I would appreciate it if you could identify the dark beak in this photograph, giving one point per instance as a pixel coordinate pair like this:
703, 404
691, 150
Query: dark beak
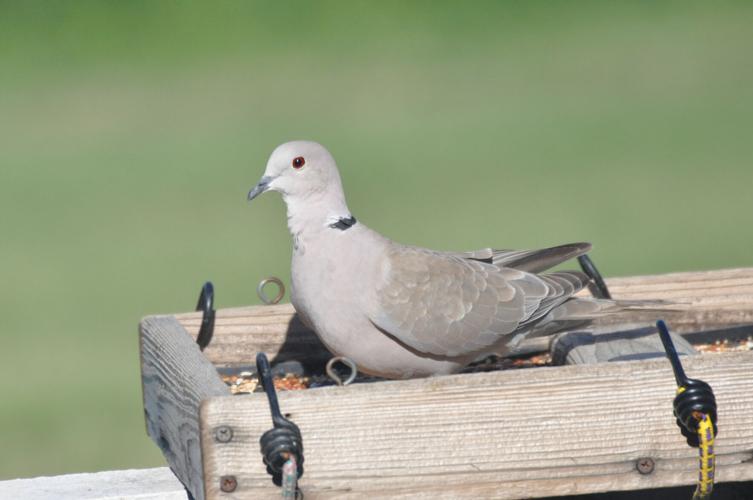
259, 188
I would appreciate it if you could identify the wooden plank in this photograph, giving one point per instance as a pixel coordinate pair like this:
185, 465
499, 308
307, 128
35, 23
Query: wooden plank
709, 299
241, 332
135, 484
176, 377
510, 434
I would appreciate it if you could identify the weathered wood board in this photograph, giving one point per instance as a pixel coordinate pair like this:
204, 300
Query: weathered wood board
509, 434
705, 300
176, 378
134, 484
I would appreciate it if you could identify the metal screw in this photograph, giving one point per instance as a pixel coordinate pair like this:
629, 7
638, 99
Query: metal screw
223, 434
645, 465
228, 483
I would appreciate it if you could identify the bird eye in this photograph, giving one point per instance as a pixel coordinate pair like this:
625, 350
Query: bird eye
298, 162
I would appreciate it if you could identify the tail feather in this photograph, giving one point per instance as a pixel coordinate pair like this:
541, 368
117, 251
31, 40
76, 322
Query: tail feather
579, 312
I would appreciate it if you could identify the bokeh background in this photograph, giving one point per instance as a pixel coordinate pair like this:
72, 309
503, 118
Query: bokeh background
130, 133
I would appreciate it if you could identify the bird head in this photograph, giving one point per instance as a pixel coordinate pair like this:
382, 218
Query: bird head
299, 170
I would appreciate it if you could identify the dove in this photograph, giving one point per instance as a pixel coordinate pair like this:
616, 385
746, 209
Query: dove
401, 311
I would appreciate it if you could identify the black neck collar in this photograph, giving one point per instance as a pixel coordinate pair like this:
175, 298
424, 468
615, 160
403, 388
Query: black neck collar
343, 223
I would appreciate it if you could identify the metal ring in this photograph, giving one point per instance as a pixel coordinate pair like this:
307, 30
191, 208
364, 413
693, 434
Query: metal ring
347, 362
280, 290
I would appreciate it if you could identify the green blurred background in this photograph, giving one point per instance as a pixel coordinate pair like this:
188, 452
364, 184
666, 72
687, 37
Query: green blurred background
130, 133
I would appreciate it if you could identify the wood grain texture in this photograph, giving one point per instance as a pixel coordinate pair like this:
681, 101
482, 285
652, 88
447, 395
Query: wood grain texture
510, 434
176, 377
708, 299
241, 332
134, 484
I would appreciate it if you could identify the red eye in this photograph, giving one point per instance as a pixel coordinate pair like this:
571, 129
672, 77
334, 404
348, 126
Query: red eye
298, 162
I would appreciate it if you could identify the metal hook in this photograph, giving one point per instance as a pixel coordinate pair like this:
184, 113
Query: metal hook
284, 441
280, 290
599, 290
206, 306
693, 397
674, 359
267, 383
347, 362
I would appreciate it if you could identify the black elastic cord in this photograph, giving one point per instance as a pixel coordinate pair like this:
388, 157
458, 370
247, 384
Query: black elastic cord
284, 440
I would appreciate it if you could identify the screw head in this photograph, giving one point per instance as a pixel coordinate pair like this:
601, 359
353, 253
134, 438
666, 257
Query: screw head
228, 483
223, 433
645, 465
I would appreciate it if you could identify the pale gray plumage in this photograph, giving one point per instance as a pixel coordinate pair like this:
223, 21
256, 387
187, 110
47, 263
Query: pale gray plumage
446, 305
400, 311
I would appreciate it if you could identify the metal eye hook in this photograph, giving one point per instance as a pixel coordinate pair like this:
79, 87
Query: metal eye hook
263, 296
206, 306
347, 362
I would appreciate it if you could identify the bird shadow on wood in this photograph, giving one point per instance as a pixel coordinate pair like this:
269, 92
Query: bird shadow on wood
303, 345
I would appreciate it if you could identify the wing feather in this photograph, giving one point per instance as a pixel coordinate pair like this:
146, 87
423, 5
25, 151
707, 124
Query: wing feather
532, 261
449, 305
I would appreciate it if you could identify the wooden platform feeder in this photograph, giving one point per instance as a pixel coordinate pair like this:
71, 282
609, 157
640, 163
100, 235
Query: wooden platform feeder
507, 434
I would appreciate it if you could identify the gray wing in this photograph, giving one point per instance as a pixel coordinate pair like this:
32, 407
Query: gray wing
448, 305
532, 261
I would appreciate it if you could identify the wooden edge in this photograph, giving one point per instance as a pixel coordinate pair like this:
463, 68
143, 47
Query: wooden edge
705, 300
133, 484
176, 377
507, 434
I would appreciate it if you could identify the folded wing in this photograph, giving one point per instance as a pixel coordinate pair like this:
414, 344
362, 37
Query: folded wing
532, 261
450, 305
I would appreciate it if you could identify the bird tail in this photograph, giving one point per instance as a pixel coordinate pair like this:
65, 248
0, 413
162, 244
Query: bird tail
591, 308
579, 312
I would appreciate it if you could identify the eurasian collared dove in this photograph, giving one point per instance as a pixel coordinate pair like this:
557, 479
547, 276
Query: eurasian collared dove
401, 311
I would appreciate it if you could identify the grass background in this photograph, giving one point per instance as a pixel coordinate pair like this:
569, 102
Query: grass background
130, 133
